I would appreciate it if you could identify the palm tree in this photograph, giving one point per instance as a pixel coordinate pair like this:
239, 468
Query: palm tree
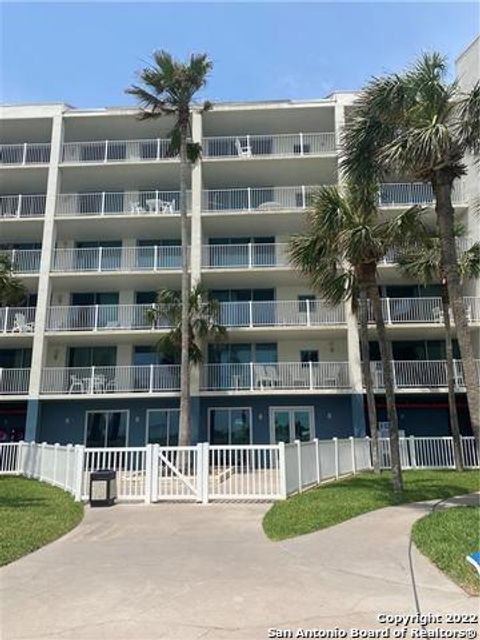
167, 89
12, 290
418, 124
202, 315
339, 253
423, 262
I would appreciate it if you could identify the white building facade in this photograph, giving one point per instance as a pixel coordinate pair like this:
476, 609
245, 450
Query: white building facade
89, 216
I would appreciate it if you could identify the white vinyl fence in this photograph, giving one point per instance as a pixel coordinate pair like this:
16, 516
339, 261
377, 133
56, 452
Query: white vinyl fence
205, 472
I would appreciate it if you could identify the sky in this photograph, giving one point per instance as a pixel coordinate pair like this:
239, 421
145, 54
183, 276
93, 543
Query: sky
86, 54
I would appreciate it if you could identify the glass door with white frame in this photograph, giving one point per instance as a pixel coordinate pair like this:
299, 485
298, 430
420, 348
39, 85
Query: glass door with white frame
230, 425
288, 424
106, 429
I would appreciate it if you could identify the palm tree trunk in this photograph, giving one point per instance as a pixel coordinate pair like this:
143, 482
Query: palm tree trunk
452, 403
367, 377
185, 433
442, 186
387, 364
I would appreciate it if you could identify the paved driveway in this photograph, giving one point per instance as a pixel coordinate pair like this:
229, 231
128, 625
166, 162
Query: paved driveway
192, 571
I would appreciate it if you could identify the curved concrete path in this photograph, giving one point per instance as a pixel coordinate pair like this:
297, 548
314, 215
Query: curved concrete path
208, 572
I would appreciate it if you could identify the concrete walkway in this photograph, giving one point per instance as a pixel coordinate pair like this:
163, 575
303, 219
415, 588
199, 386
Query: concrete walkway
208, 572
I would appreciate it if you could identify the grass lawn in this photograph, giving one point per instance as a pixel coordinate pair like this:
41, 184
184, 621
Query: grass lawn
335, 502
32, 514
446, 537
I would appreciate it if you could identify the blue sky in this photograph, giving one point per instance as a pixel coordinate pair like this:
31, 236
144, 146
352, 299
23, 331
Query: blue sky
86, 54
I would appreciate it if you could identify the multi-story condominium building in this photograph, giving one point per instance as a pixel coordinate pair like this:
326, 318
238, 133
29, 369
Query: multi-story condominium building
89, 216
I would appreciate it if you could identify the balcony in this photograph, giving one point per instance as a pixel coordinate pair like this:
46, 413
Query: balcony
24, 261
399, 194
110, 380
106, 151
123, 203
422, 310
24, 154
258, 200
278, 376
14, 382
244, 256
122, 317
414, 374
117, 259
280, 313
269, 146
17, 320
22, 206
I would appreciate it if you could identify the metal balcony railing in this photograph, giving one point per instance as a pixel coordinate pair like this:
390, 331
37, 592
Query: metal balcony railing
14, 381
253, 376
110, 380
24, 154
104, 151
244, 256
422, 310
420, 374
131, 203
395, 194
107, 259
122, 317
17, 319
244, 200
280, 313
275, 145
23, 260
22, 206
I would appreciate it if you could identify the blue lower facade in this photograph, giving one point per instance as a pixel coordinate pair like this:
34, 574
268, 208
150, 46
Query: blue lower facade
65, 421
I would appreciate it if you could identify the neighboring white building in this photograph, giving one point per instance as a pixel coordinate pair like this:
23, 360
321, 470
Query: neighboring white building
89, 215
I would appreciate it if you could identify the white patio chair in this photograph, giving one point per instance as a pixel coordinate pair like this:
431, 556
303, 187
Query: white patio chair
438, 316
76, 383
20, 324
244, 151
266, 376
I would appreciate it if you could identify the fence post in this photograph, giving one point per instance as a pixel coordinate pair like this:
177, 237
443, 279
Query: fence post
154, 474
299, 465
413, 457
67, 467
369, 444
202, 472
148, 473
317, 460
78, 464
42, 458
55, 456
282, 470
352, 450
335, 444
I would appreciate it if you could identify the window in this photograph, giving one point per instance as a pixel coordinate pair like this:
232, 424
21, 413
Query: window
162, 427
228, 425
106, 428
92, 356
309, 355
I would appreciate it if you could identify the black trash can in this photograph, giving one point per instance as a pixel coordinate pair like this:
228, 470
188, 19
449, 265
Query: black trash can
103, 488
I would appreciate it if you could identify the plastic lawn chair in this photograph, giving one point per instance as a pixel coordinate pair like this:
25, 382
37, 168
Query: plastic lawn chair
474, 559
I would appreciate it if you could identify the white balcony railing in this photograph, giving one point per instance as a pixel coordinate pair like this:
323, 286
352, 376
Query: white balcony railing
420, 374
395, 194
108, 259
23, 260
244, 256
110, 380
17, 319
283, 145
24, 154
122, 317
104, 151
22, 206
14, 381
243, 200
108, 203
280, 313
280, 375
422, 310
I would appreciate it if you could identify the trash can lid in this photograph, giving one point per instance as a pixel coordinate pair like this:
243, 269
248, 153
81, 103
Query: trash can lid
103, 474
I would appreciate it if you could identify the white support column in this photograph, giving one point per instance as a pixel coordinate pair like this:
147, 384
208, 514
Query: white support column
48, 243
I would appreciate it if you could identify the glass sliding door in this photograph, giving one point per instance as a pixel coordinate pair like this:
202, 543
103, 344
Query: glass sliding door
106, 428
288, 424
162, 427
228, 425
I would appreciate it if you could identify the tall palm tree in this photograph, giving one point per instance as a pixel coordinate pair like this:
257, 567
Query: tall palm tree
202, 314
424, 263
12, 290
167, 88
418, 124
339, 253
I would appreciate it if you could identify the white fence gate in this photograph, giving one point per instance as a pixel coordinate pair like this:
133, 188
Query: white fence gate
220, 472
